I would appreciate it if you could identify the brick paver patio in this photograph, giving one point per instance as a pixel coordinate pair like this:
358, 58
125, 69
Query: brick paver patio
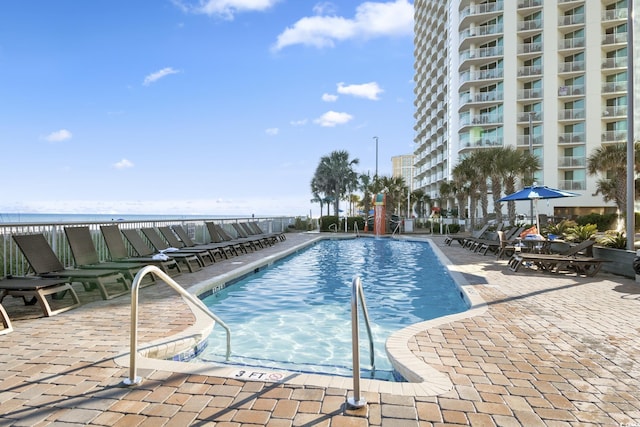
549, 350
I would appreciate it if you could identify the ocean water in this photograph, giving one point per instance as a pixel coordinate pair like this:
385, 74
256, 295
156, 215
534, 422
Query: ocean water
49, 218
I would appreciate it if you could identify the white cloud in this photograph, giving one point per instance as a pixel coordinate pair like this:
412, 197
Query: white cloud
123, 164
272, 131
301, 122
328, 97
225, 9
371, 20
333, 118
58, 136
154, 77
367, 90
325, 8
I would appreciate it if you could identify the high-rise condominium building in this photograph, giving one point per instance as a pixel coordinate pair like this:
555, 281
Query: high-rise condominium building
548, 76
402, 166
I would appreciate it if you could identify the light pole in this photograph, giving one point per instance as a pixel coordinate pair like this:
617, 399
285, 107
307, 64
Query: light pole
631, 190
531, 152
376, 175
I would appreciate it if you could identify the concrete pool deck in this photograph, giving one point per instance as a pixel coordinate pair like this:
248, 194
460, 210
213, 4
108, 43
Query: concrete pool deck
554, 350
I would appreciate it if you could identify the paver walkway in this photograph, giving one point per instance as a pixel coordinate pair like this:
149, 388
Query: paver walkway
554, 350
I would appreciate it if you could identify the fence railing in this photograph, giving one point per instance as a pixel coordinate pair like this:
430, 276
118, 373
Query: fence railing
12, 262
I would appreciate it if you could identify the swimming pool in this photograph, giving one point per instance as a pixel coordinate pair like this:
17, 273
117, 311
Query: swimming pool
295, 315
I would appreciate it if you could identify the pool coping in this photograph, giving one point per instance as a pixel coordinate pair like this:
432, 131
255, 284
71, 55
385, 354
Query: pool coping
423, 380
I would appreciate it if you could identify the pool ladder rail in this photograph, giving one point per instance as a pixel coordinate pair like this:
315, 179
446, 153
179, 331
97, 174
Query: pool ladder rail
133, 352
357, 401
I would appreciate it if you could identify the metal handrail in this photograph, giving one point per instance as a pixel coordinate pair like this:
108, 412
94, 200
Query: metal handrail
358, 401
396, 229
355, 228
133, 379
333, 227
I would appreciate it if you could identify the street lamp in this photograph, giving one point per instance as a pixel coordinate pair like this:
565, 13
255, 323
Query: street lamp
376, 175
631, 190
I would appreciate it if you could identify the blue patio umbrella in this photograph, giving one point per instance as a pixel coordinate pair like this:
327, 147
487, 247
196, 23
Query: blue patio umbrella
535, 193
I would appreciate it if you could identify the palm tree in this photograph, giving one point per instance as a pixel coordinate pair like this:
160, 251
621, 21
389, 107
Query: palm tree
516, 165
466, 176
335, 177
446, 190
611, 161
365, 187
417, 200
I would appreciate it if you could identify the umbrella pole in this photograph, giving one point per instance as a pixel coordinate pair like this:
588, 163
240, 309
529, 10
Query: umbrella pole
535, 203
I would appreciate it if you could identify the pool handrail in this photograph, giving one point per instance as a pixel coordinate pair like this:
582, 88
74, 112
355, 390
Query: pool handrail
358, 401
355, 228
133, 351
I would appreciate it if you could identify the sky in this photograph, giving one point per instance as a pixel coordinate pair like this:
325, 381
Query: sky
212, 107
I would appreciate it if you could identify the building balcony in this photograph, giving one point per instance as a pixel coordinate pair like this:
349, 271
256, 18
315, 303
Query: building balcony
523, 140
530, 71
616, 111
481, 33
528, 48
614, 136
525, 4
527, 94
530, 25
619, 14
572, 161
572, 43
565, 20
571, 138
571, 114
573, 90
524, 116
612, 63
484, 11
480, 143
484, 76
571, 67
571, 185
618, 38
614, 87
483, 52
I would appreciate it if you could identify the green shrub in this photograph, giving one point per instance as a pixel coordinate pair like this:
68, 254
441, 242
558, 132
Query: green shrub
454, 228
603, 222
559, 229
580, 233
613, 239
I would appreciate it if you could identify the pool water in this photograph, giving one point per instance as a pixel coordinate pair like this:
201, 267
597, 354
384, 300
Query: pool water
296, 314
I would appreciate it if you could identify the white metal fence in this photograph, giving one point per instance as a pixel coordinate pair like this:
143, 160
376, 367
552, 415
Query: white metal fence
13, 262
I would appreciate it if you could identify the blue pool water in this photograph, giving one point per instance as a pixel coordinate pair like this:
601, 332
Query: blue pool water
296, 314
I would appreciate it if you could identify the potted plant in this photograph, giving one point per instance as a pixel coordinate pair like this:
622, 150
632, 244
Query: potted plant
612, 247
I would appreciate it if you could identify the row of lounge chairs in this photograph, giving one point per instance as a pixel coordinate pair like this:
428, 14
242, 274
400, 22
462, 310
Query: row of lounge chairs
576, 258
169, 248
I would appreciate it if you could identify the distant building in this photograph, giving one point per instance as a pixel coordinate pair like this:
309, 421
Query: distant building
548, 73
402, 166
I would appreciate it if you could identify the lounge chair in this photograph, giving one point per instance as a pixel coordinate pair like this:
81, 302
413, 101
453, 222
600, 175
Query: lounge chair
85, 255
174, 241
118, 252
222, 249
258, 231
37, 290
256, 240
6, 322
467, 240
218, 235
507, 246
45, 263
160, 244
269, 240
190, 261
569, 260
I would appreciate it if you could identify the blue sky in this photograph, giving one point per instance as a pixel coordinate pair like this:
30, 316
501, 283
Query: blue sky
219, 107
